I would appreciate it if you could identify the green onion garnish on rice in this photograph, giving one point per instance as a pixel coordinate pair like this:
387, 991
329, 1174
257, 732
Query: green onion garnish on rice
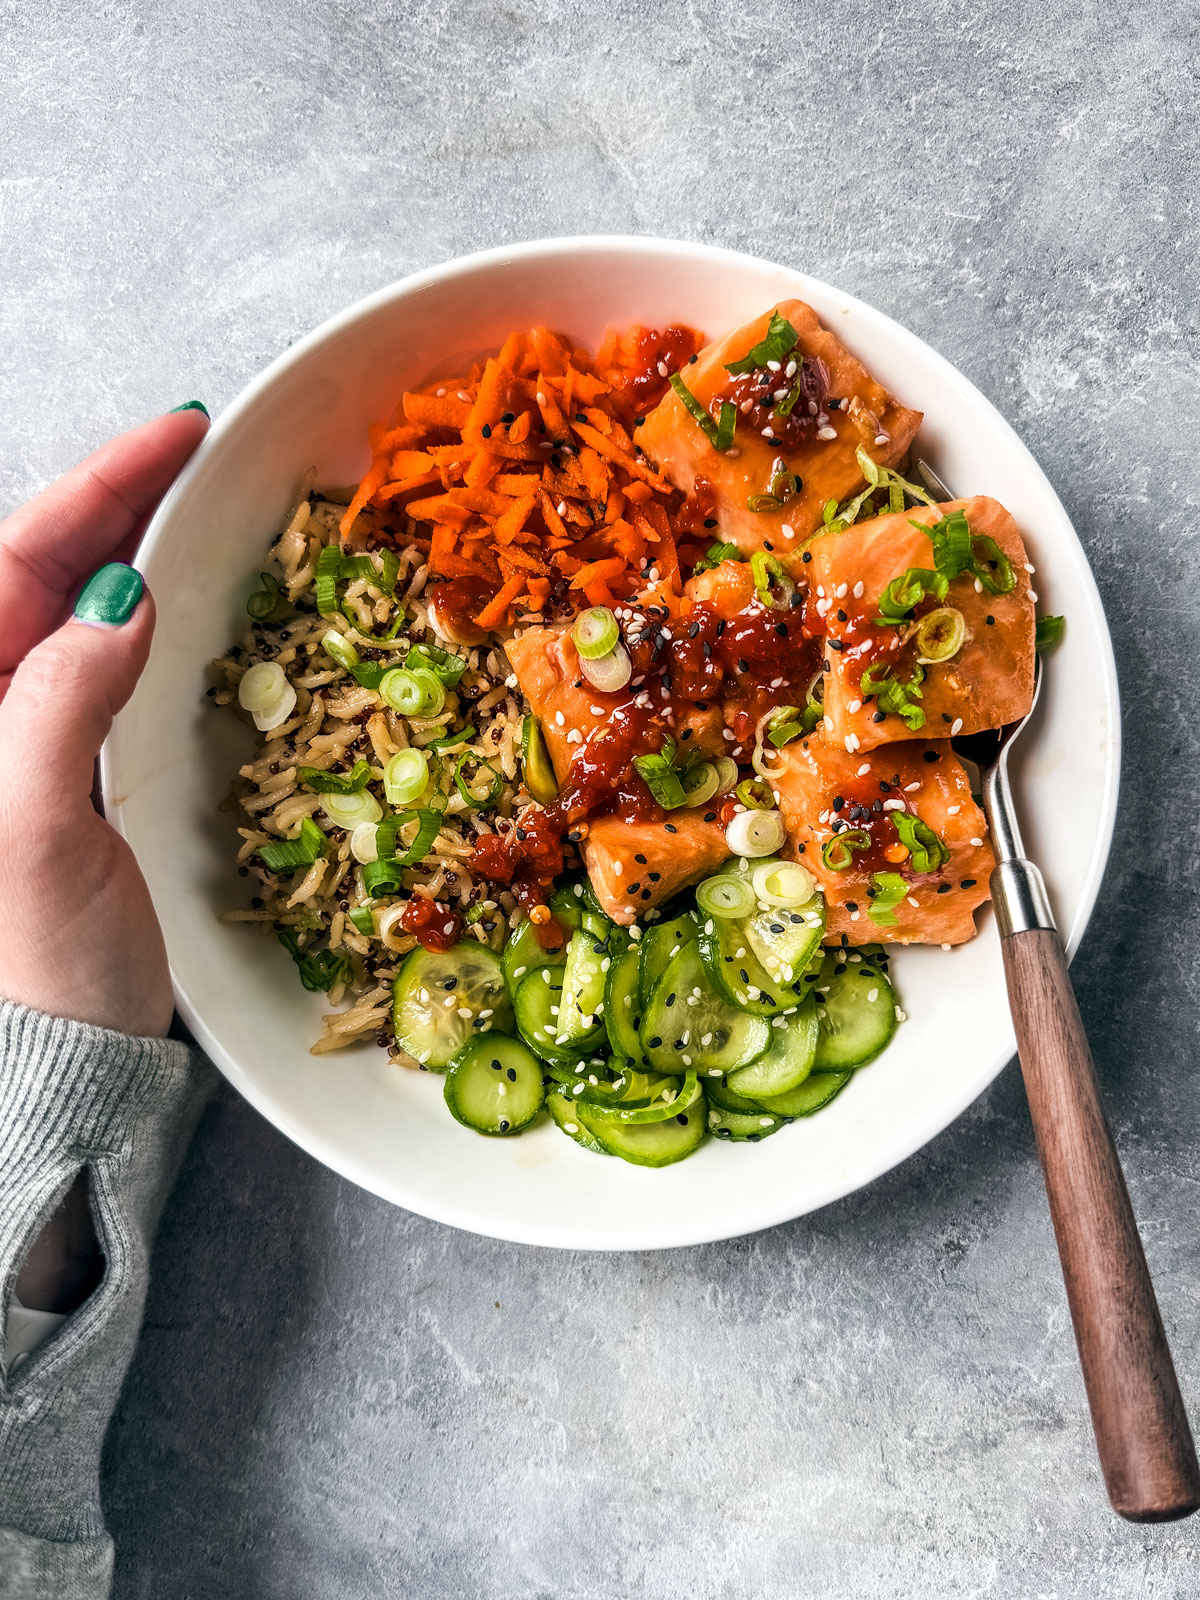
322, 782
286, 855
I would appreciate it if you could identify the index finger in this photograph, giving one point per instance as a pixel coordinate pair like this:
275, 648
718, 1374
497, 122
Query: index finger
51, 544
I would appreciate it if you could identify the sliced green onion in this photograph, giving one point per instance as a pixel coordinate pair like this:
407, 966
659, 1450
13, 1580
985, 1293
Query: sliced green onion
381, 878
991, 566
755, 833
756, 794
349, 811
838, 853
537, 771
951, 539
880, 683
701, 783
412, 694
362, 918
339, 649
763, 502
663, 782
727, 774
386, 581
782, 883
609, 673
715, 554
907, 591
475, 913
262, 686
887, 889
725, 896
352, 567
788, 404
782, 487
319, 969
287, 854
452, 739
363, 846
720, 434
772, 583
927, 851
494, 790
778, 343
262, 603
726, 427
444, 664
322, 782
785, 725
329, 566
1049, 632
405, 777
941, 634
376, 638
370, 674
595, 632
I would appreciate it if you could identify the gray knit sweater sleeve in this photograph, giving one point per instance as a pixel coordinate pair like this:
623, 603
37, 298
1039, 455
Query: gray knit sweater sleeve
73, 1096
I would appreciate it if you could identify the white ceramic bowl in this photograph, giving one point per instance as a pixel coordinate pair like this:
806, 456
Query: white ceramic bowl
169, 761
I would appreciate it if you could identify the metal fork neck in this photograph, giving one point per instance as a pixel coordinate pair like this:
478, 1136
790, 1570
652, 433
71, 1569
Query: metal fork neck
1018, 891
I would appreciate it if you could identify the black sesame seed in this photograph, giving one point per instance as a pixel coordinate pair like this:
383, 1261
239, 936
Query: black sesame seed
495, 1065
450, 983
841, 615
504, 1125
710, 816
641, 860
654, 876
670, 827
670, 999
655, 1042
838, 802
967, 883
486, 430
807, 556
512, 1074
851, 905
645, 894
681, 1117
943, 888
880, 716
781, 629
710, 522
932, 755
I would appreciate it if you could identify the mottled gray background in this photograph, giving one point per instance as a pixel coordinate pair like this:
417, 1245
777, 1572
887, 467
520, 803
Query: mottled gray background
334, 1399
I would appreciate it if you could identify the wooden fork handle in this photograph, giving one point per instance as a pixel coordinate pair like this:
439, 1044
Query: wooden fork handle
1142, 1435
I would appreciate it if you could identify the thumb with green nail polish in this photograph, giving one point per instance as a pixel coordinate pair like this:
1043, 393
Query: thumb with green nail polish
110, 597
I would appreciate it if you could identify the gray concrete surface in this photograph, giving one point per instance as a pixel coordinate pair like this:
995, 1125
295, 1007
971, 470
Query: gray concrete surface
334, 1399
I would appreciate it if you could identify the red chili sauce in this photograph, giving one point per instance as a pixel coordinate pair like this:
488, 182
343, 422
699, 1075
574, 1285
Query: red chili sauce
671, 347
757, 392
435, 925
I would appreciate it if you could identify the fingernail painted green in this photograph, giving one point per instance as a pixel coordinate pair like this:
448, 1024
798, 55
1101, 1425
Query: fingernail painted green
191, 405
110, 596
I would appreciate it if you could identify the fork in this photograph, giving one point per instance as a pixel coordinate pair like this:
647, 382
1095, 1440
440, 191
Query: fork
1142, 1435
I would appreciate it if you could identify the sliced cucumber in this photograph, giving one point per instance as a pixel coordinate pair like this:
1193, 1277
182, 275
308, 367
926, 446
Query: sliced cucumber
788, 1059
736, 973
494, 1084
687, 1025
523, 954
659, 943
856, 1010
537, 1008
566, 1116
672, 1098
786, 941
580, 909
622, 1005
719, 1092
817, 1090
581, 1004
440, 999
744, 1126
628, 1089
649, 1144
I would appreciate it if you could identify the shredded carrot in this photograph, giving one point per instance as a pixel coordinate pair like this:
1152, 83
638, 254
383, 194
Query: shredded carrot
525, 478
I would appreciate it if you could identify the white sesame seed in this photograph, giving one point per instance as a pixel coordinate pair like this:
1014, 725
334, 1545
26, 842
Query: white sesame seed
574, 736
570, 1127
978, 587
893, 805
541, 398
947, 947
790, 370
788, 531
662, 369
842, 590
882, 438
855, 705
955, 726
501, 1089
975, 842
562, 508
559, 720
465, 1011
911, 788
768, 433
774, 366
863, 770
858, 590
913, 901
872, 994
826, 433
828, 724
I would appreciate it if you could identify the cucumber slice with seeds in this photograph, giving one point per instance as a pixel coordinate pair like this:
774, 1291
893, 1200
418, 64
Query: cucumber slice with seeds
581, 1005
494, 1085
687, 1025
719, 1092
744, 1127
622, 1005
785, 941
651, 1144
441, 998
524, 954
537, 1008
659, 943
788, 1059
856, 1012
566, 1116
817, 1090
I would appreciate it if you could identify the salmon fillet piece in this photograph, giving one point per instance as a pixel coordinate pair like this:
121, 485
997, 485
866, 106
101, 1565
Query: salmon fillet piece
819, 782
827, 468
988, 683
675, 851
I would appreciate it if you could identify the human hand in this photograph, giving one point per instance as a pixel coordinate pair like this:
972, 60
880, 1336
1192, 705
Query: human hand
78, 936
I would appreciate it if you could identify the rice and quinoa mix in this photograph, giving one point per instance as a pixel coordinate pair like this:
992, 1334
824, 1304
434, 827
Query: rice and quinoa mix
336, 722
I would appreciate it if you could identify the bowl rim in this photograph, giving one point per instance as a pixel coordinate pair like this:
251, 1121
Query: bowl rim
229, 419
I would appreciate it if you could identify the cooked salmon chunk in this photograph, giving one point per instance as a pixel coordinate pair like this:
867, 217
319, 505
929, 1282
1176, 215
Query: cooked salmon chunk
815, 441
825, 792
987, 682
633, 865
